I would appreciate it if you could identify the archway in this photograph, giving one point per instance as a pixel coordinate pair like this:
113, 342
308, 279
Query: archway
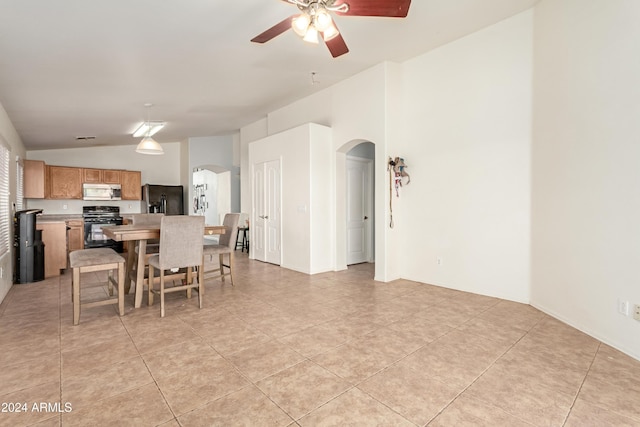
210, 193
360, 186
341, 207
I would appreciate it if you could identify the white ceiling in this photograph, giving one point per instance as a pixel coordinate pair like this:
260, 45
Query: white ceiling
73, 68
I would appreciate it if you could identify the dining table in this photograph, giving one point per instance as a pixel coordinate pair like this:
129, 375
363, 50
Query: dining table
137, 235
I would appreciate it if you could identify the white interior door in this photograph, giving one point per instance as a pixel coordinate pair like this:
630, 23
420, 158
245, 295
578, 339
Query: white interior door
266, 213
272, 209
359, 210
257, 224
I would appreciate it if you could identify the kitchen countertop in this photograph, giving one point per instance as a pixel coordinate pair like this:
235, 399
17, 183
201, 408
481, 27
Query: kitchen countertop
57, 218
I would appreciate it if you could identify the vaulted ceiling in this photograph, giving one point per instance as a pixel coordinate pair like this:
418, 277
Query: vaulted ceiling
71, 68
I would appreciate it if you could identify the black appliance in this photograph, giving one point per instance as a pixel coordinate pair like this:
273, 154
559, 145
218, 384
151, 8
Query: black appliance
96, 217
28, 247
166, 199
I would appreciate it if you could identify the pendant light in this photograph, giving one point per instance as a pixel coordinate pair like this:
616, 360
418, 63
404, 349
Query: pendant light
149, 145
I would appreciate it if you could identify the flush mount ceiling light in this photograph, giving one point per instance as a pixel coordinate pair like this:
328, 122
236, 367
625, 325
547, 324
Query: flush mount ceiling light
148, 128
148, 145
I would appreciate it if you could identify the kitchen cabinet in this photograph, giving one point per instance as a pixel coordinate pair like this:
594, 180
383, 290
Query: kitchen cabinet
111, 176
75, 235
54, 237
34, 179
42, 181
93, 176
100, 176
65, 182
131, 182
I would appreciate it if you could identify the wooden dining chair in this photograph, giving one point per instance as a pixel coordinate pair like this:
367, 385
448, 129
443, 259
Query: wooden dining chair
179, 257
226, 246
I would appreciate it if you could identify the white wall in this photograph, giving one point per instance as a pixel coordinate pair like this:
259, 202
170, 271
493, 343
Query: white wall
586, 179
9, 136
466, 142
355, 110
305, 155
322, 201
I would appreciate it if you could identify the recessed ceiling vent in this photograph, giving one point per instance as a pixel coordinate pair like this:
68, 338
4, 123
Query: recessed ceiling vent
85, 138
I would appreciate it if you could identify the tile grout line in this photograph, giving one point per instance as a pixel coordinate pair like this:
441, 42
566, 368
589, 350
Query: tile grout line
164, 398
575, 399
485, 371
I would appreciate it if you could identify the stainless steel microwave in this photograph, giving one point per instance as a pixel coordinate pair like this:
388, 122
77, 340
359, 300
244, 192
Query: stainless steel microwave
101, 191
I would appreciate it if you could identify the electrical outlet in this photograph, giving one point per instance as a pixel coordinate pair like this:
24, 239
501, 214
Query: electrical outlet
65, 207
623, 307
439, 260
636, 312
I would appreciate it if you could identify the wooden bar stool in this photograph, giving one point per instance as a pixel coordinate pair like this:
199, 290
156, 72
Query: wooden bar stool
98, 259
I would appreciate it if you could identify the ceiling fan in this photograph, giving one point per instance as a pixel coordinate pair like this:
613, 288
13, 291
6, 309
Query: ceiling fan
315, 19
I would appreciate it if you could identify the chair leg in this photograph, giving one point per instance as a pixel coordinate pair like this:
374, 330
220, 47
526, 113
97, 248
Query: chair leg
121, 270
231, 266
200, 284
76, 296
221, 259
161, 293
150, 287
110, 283
189, 281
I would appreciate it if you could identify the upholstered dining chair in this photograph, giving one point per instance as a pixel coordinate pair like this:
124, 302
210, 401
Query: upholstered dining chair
148, 219
226, 246
181, 239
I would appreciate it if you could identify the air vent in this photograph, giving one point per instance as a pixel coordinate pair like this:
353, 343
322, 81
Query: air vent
85, 138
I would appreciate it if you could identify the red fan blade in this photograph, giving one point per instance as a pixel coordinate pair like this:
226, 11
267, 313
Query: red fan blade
337, 45
274, 31
390, 8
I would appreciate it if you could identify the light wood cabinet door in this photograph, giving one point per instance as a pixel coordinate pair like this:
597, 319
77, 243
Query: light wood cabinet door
34, 179
131, 185
101, 176
75, 235
111, 176
65, 182
54, 238
93, 176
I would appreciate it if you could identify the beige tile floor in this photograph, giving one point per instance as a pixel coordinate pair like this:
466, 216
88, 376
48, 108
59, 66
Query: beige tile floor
283, 348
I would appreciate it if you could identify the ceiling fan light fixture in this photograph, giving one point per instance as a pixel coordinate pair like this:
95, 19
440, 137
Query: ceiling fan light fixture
322, 20
330, 33
149, 145
301, 24
311, 36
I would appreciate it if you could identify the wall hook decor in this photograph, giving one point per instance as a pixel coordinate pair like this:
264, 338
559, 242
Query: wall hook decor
397, 171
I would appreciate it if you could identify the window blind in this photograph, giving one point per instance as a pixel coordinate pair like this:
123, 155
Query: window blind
19, 184
4, 199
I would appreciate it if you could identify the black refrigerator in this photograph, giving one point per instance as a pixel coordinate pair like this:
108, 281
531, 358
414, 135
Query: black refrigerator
166, 199
28, 247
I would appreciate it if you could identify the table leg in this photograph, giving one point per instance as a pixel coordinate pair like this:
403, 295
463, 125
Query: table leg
131, 246
142, 250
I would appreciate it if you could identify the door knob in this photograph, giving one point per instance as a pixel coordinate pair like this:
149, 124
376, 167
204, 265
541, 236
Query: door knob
366, 217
